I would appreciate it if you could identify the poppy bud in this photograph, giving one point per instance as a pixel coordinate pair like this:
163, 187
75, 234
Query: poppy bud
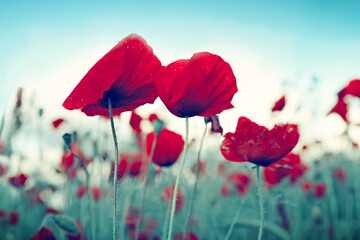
41, 111
158, 125
67, 139
66, 223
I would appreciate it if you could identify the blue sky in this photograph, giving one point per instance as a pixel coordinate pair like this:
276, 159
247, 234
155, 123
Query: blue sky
47, 46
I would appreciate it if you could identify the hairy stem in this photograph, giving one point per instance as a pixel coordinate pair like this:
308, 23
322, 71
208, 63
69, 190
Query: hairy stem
234, 220
195, 184
173, 205
115, 167
143, 192
87, 191
261, 202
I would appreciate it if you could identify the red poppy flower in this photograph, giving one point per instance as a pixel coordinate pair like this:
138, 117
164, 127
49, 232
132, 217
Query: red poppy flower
123, 75
143, 235
340, 108
96, 193
13, 218
131, 221
169, 146
78, 236
290, 165
122, 167
81, 191
279, 104
152, 225
257, 144
2, 213
201, 86
340, 174
352, 89
189, 236
306, 186
44, 234
202, 167
167, 195
221, 169
53, 211
224, 189
241, 181
18, 180
135, 121
56, 123
3, 170
320, 190
135, 168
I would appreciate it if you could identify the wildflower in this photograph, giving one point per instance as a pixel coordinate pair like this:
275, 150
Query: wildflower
44, 233
279, 104
18, 180
289, 166
123, 75
168, 148
201, 86
341, 108
253, 143
56, 123
167, 195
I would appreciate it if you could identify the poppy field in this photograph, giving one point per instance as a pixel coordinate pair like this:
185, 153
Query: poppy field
254, 182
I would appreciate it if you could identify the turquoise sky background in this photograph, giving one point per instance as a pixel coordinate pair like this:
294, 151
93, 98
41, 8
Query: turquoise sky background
48, 46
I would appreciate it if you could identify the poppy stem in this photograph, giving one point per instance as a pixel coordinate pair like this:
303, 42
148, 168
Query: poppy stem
116, 166
88, 189
166, 223
195, 184
173, 205
143, 193
234, 220
261, 202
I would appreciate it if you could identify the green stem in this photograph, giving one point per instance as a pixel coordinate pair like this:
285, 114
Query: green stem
234, 220
143, 193
261, 202
195, 184
173, 205
165, 226
88, 190
115, 167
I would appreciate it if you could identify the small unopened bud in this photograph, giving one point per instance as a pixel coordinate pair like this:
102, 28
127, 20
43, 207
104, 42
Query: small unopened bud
41, 112
66, 223
207, 120
67, 138
158, 125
